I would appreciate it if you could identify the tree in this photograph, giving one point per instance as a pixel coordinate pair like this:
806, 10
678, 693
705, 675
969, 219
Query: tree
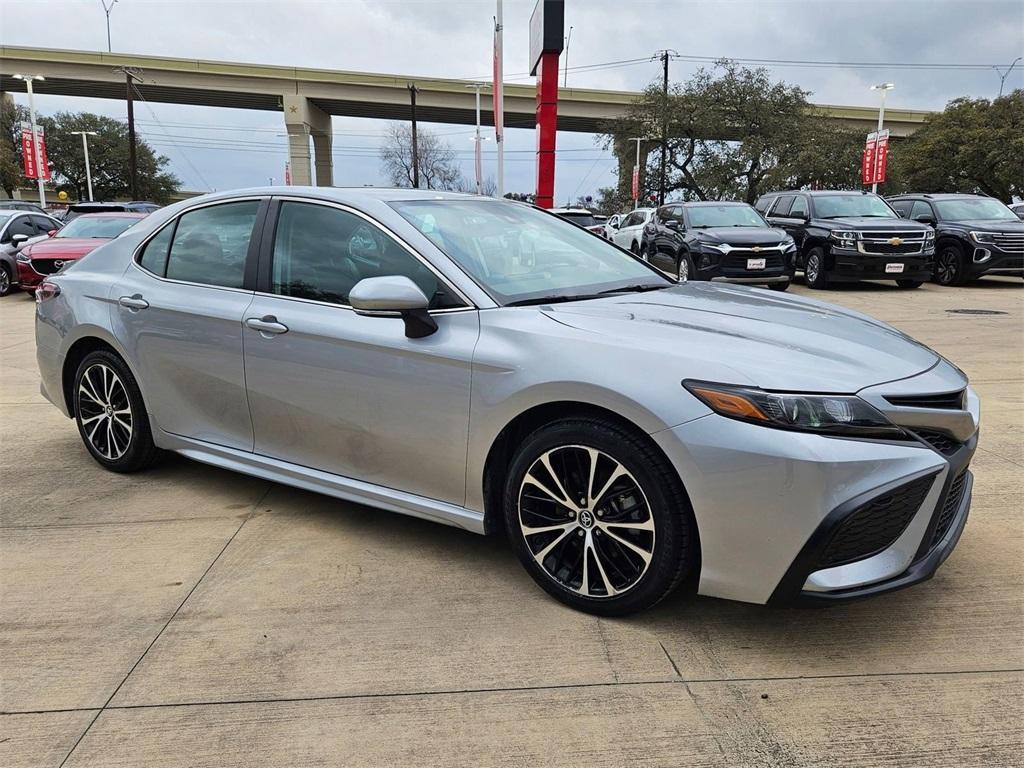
436, 161
11, 171
108, 159
733, 133
974, 145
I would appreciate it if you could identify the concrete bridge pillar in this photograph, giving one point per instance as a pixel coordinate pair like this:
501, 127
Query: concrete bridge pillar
302, 120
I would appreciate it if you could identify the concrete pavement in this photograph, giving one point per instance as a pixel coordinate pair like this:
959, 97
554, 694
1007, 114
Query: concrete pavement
192, 617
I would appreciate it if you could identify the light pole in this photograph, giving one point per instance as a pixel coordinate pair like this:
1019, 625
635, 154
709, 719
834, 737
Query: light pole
36, 149
568, 39
636, 170
478, 147
85, 151
884, 88
107, 8
1003, 75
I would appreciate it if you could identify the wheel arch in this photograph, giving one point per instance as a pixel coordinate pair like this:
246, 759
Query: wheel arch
82, 346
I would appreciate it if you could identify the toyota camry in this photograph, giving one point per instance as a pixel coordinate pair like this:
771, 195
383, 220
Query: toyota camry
485, 364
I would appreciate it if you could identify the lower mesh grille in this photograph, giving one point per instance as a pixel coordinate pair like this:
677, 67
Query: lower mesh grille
940, 441
950, 506
875, 525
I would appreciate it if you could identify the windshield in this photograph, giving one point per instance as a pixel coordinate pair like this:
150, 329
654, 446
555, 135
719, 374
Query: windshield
583, 219
702, 216
972, 208
105, 227
837, 206
518, 253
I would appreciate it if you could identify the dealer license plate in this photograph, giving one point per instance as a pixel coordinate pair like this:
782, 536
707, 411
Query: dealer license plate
755, 263
894, 268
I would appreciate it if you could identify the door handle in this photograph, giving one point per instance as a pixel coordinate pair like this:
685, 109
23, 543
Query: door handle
133, 303
266, 325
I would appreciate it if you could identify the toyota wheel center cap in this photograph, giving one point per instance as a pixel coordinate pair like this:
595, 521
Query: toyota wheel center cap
587, 518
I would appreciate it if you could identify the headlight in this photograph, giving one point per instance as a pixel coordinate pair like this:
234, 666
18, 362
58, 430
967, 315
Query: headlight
843, 415
788, 244
23, 257
845, 238
983, 237
716, 246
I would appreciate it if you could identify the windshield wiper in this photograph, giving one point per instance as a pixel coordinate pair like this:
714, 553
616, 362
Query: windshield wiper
551, 299
639, 288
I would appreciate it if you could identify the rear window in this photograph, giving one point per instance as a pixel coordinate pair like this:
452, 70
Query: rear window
583, 219
210, 244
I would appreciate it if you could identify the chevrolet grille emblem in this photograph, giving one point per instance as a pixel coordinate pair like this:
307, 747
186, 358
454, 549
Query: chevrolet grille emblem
895, 241
756, 249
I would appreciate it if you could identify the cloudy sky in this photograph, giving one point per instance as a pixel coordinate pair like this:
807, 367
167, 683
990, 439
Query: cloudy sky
223, 148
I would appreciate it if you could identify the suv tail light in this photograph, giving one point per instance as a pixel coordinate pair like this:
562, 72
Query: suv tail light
46, 290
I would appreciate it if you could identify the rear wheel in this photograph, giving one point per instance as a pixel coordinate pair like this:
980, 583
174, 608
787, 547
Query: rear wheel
6, 281
684, 268
111, 414
634, 248
908, 285
949, 265
814, 269
598, 518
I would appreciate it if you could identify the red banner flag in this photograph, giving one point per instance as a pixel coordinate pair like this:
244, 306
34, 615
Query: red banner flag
867, 167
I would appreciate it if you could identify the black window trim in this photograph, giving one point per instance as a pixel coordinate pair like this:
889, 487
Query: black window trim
248, 274
264, 272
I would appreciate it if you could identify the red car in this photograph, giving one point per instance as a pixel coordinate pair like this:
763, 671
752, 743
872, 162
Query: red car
83, 235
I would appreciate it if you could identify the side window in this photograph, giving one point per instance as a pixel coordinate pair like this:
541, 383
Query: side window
781, 208
799, 207
321, 252
210, 244
154, 255
762, 204
21, 226
920, 210
42, 224
902, 207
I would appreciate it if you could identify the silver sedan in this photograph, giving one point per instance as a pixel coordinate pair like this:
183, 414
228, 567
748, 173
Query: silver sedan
484, 364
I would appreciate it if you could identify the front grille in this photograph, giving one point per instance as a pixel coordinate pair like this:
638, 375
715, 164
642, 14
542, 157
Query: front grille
953, 401
950, 506
884, 236
874, 526
738, 260
1010, 241
942, 442
48, 266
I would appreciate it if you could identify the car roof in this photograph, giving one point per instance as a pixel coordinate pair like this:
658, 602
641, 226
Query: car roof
113, 215
940, 196
571, 210
709, 203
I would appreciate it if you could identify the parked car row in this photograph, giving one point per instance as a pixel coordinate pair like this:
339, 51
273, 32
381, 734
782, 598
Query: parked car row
830, 236
35, 244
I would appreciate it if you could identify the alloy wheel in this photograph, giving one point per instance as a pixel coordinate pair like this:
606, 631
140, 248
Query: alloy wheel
599, 547
948, 266
812, 267
105, 411
683, 270
5, 281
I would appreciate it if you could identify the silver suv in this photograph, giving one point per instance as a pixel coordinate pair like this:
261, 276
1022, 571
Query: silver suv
484, 364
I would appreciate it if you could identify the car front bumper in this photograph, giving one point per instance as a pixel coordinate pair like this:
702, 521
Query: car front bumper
988, 259
732, 267
851, 265
767, 503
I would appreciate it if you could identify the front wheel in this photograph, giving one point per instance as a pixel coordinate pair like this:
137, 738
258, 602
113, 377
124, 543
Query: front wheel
909, 285
598, 517
6, 282
949, 265
684, 268
814, 269
111, 414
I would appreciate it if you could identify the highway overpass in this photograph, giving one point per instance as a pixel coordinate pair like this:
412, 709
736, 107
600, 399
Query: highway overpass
308, 98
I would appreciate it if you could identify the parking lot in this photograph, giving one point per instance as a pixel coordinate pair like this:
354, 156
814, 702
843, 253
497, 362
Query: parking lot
189, 616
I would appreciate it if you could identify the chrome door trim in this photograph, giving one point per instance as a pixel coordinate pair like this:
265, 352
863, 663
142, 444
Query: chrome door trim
388, 231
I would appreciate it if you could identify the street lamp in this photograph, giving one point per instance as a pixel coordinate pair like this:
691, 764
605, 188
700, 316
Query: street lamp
884, 88
36, 149
477, 138
85, 150
568, 40
636, 170
107, 8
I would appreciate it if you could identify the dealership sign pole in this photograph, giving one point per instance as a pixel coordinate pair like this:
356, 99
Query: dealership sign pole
498, 93
546, 39
41, 170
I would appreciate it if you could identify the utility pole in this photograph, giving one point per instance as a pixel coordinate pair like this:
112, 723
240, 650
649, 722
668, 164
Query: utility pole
664, 55
36, 148
415, 148
85, 151
884, 88
1003, 75
107, 8
131, 75
568, 39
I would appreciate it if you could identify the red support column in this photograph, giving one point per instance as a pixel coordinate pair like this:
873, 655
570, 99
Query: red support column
547, 127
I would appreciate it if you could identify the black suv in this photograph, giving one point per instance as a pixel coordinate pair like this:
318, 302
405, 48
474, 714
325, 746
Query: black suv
845, 236
975, 235
718, 241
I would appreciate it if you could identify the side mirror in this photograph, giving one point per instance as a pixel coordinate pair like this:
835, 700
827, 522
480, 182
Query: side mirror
386, 296
925, 219
51, 233
19, 240
671, 224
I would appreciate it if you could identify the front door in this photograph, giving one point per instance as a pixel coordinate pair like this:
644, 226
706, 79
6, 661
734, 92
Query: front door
179, 312
349, 394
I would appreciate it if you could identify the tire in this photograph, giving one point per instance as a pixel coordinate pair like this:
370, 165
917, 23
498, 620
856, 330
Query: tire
6, 280
949, 265
111, 415
909, 285
634, 248
814, 269
779, 286
627, 569
684, 267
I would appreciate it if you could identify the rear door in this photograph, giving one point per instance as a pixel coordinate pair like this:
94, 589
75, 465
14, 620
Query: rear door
347, 393
179, 308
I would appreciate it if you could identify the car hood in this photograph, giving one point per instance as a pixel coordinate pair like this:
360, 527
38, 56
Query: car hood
64, 247
992, 225
762, 338
741, 235
873, 223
